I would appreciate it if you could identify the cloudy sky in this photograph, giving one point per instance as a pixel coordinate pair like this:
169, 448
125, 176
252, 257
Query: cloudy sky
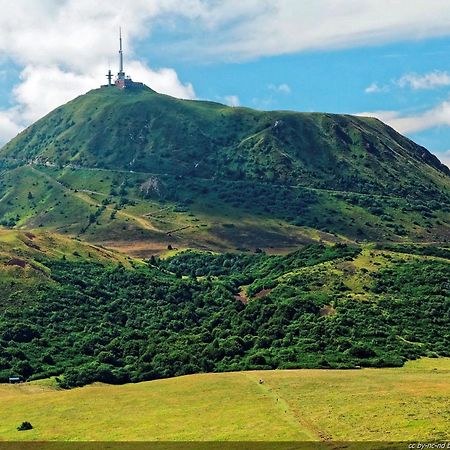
387, 58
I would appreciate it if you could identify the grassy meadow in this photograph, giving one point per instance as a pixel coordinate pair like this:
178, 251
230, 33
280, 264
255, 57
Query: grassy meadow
408, 403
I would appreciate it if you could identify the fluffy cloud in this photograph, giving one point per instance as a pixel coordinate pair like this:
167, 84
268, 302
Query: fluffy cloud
164, 80
413, 123
373, 87
44, 88
78, 33
376, 88
243, 30
231, 100
430, 80
282, 88
9, 125
414, 81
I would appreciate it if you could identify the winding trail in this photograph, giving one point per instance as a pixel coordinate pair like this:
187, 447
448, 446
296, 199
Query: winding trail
83, 195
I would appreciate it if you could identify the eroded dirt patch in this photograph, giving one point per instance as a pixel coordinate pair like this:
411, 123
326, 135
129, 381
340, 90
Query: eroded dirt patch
17, 262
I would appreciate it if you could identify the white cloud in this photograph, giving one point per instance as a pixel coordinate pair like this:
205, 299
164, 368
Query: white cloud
376, 88
163, 80
413, 123
414, 81
372, 88
78, 33
429, 80
238, 29
9, 126
231, 100
44, 88
282, 88
444, 157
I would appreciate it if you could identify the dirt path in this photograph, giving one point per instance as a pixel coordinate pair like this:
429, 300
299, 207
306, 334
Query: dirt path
307, 426
83, 195
274, 185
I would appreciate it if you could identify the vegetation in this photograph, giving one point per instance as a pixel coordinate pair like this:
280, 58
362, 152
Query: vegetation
24, 426
178, 172
161, 134
319, 307
330, 239
411, 404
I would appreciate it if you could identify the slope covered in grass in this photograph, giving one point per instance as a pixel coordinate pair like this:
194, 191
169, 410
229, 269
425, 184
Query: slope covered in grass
141, 130
22, 262
405, 404
135, 167
114, 208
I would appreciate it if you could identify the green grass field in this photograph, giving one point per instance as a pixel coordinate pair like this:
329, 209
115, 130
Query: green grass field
409, 403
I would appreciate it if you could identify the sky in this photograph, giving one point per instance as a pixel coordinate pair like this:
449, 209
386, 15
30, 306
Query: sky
384, 58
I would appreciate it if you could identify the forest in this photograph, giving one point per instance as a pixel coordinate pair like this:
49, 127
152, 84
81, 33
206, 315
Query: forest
204, 312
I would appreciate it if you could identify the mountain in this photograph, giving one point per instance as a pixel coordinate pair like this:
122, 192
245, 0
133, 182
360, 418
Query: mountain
328, 235
141, 130
140, 171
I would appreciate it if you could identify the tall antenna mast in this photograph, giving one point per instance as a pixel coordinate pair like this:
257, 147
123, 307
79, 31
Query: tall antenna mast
121, 72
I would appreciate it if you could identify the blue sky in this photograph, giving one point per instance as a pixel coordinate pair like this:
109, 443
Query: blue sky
342, 56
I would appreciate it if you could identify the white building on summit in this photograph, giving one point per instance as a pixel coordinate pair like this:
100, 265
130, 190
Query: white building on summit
122, 81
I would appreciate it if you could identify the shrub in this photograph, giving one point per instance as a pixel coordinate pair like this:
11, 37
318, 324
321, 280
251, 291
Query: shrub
25, 426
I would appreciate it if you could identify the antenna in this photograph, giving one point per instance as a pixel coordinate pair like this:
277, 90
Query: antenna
109, 76
121, 72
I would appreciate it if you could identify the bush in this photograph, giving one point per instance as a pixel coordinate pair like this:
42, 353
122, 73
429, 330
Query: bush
25, 426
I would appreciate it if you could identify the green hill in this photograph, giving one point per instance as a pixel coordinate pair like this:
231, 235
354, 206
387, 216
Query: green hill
140, 170
90, 317
23, 256
141, 130
283, 240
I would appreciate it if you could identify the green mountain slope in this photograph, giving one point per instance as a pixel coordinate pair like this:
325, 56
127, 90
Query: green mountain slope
147, 174
319, 307
144, 131
278, 177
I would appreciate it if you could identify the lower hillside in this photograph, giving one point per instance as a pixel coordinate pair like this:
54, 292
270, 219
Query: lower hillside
142, 213
411, 404
22, 262
337, 306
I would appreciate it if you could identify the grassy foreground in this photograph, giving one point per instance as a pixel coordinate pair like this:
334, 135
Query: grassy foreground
409, 403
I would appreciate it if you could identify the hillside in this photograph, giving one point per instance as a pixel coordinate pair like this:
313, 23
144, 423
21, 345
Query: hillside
411, 404
139, 171
141, 130
319, 307
23, 256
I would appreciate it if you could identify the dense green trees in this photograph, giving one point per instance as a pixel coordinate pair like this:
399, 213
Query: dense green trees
181, 316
